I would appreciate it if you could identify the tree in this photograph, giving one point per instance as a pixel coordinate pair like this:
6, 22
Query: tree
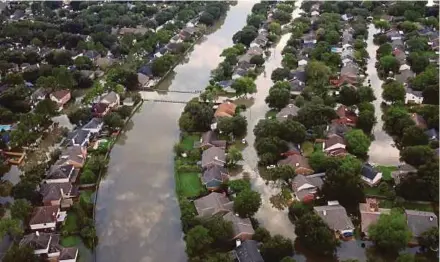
255, 20
244, 86
317, 74
239, 185
124, 111
5, 186
284, 172
261, 235
257, 60
416, 155
96, 163
275, 28
196, 117
235, 125
396, 119
278, 98
113, 120
389, 63
83, 63
315, 114
393, 92
219, 257
245, 36
206, 18
430, 239
315, 235
288, 259
188, 214
272, 145
80, 116
234, 155
276, 248
21, 209
247, 203
20, 253
366, 120
391, 231
12, 227
88, 177
384, 50
162, 64
14, 79
318, 161
414, 136
357, 142
289, 61
293, 131
219, 229
418, 62
348, 96
127, 78
298, 210
197, 240
382, 24
279, 74
366, 94
47, 108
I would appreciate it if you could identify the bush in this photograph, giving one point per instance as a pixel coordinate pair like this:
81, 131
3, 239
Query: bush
88, 177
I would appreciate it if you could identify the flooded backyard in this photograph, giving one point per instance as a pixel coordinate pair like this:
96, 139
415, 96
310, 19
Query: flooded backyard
382, 150
137, 214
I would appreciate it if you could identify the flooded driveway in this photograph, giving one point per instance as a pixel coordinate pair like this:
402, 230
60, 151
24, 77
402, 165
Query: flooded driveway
382, 150
137, 215
274, 220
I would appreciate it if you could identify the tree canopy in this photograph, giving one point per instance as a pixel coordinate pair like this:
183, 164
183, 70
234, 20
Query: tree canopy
247, 203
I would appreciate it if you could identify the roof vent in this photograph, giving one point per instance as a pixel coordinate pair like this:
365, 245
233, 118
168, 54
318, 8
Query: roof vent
324, 212
431, 218
216, 158
37, 233
297, 164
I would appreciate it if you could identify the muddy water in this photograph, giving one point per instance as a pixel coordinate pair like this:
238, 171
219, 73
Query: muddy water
137, 215
274, 220
382, 150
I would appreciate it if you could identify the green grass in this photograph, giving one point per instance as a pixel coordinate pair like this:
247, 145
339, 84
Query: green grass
317, 147
372, 191
407, 205
188, 141
70, 241
271, 113
307, 148
71, 223
86, 196
386, 171
190, 184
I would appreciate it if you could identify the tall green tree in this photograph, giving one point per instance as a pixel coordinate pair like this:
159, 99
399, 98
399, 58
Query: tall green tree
393, 92
357, 142
247, 203
276, 248
244, 86
198, 241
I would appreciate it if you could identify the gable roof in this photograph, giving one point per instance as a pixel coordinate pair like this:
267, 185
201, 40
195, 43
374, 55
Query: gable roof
94, 123
60, 94
337, 128
333, 140
53, 191
296, 161
213, 155
59, 172
420, 221
335, 216
110, 98
210, 138
214, 173
368, 171
44, 215
288, 111
304, 186
36, 240
212, 204
226, 109
419, 121
248, 252
370, 214
68, 253
239, 225
73, 153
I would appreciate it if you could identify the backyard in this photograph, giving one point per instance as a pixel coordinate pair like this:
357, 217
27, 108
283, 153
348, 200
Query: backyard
190, 184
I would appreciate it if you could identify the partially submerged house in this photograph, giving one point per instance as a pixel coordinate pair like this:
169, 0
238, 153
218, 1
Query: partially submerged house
214, 177
48, 246
248, 252
299, 163
370, 175
213, 156
305, 188
413, 96
61, 97
226, 109
213, 204
241, 227
46, 218
335, 216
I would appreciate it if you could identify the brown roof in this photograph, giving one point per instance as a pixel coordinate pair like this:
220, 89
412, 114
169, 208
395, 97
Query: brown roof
60, 93
370, 213
296, 161
213, 204
226, 109
419, 121
333, 140
44, 214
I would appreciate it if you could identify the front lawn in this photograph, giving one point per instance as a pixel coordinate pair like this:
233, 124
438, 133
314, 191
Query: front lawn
190, 184
271, 114
407, 205
307, 148
189, 140
71, 223
70, 241
386, 171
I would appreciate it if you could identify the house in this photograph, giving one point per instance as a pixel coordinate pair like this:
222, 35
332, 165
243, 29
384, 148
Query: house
103, 62
261, 40
143, 80
293, 149
347, 55
87, 74
309, 38
404, 76
255, 50
419, 222
57, 194
112, 99
128, 101
187, 32
226, 109
239, 72
413, 97
399, 55
74, 155
213, 204
370, 175
347, 115
210, 139
419, 121
59, 174
176, 39
347, 37
335, 216
46, 218
401, 172
39, 242
432, 134
398, 44
146, 70
393, 34
214, 176
404, 67
39, 95
350, 72
241, 227
287, 112
48, 245
314, 13
100, 109
92, 54
370, 213
296, 86
248, 252
80, 138
94, 126
332, 143
68, 254
299, 73
61, 97
175, 48
299, 162
213, 156
305, 188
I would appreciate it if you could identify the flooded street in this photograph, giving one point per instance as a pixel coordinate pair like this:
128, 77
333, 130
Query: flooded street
137, 215
274, 220
381, 150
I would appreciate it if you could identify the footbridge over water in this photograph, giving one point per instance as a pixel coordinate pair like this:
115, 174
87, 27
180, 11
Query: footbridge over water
177, 97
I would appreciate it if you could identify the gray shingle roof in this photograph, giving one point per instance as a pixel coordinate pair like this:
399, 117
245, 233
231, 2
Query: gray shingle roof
59, 172
420, 221
34, 241
212, 204
335, 217
68, 253
213, 156
248, 252
214, 173
53, 191
44, 214
239, 225
289, 111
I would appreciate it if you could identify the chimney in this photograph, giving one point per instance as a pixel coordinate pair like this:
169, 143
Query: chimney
372, 205
297, 164
37, 233
324, 212
431, 218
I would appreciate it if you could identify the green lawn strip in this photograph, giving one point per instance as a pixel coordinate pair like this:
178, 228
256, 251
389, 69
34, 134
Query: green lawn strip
70, 241
317, 147
190, 184
86, 196
372, 191
386, 171
407, 205
271, 113
188, 141
307, 148
71, 223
